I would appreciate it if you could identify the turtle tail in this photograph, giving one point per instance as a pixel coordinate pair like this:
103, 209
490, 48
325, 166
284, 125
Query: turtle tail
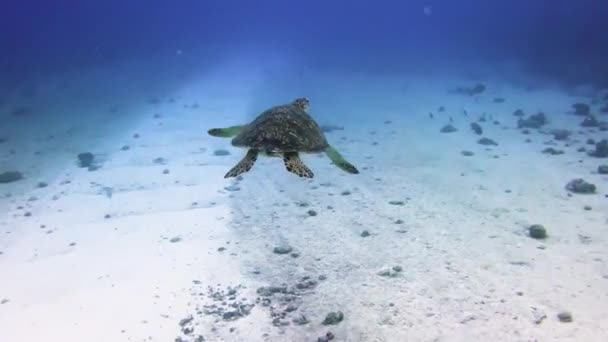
340, 162
226, 132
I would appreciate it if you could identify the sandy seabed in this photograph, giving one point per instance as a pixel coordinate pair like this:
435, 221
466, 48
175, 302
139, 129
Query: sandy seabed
425, 244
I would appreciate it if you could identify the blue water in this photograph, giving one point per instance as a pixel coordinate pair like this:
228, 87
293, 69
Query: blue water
430, 241
562, 39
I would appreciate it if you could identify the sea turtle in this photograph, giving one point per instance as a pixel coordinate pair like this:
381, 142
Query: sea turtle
284, 130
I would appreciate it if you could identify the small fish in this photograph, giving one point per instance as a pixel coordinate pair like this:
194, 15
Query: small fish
465, 112
430, 115
451, 120
476, 128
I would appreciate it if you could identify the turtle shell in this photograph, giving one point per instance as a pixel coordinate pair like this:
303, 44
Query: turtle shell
286, 128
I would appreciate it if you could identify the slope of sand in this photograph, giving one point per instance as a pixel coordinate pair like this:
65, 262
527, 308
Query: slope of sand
131, 252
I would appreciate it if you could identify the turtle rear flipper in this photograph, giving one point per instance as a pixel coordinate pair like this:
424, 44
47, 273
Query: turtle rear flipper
294, 164
244, 165
340, 162
225, 132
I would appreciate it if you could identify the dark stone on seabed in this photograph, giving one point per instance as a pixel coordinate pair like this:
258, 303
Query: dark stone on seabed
476, 128
602, 169
552, 151
581, 109
448, 129
220, 153
537, 231
487, 142
10, 176
580, 186
333, 318
467, 153
268, 291
300, 320
533, 121
285, 249
590, 121
564, 317
85, 159
601, 149
560, 134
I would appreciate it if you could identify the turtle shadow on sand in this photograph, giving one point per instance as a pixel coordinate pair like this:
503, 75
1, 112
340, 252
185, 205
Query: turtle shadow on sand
281, 131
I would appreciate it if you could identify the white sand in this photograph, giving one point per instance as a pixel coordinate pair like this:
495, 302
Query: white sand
462, 244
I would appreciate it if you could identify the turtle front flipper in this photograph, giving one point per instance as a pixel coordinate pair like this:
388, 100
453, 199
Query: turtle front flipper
294, 164
226, 132
340, 162
244, 165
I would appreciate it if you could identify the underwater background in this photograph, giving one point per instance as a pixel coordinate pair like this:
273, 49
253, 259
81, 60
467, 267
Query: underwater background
479, 130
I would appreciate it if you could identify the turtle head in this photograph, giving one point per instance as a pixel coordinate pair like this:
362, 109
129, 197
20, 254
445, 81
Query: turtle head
302, 103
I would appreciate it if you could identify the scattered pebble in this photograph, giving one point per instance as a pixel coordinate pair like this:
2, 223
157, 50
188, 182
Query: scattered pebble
333, 318
582, 109
390, 271
580, 186
560, 134
537, 231
175, 239
365, 233
232, 188
396, 203
312, 212
467, 153
10, 176
284, 249
476, 128
85, 159
552, 151
448, 129
564, 317
300, 320
487, 142
533, 121
601, 149
590, 121
220, 153
160, 161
